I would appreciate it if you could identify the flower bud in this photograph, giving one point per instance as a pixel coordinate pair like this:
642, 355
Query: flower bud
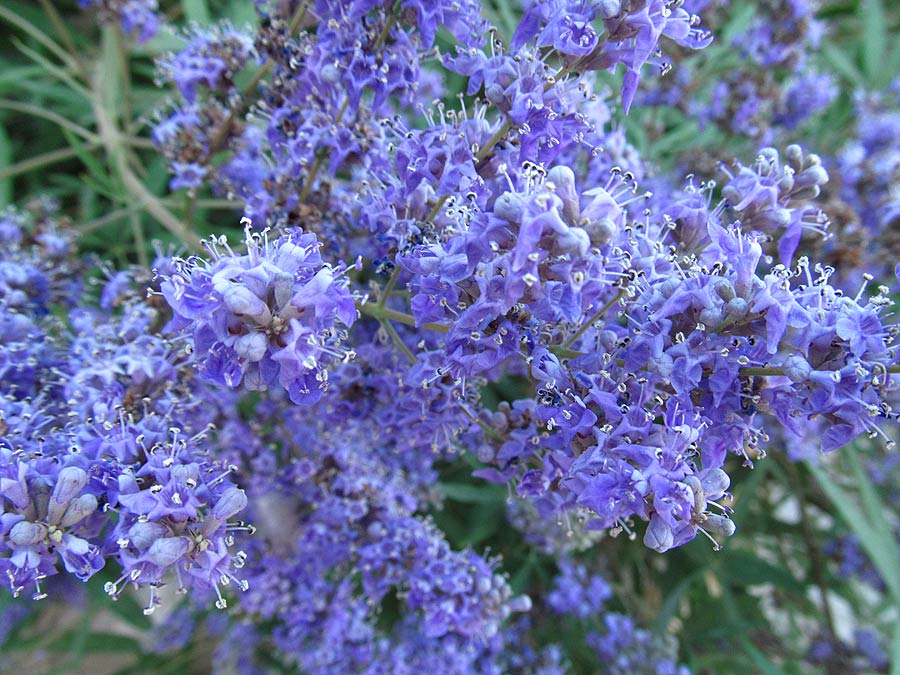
143, 534
69, 484
797, 368
601, 231
814, 175
725, 289
736, 308
252, 346
284, 289
244, 303
562, 178
26, 533
794, 155
232, 501
509, 207
166, 552
521, 603
659, 535
609, 8
79, 508
721, 525
715, 483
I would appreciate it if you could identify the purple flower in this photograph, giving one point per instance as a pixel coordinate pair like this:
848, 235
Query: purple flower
268, 317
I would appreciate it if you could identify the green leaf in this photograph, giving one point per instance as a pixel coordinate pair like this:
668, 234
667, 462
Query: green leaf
241, 13
487, 521
473, 494
842, 63
874, 41
196, 10
112, 642
6, 158
763, 664
126, 607
746, 490
12, 77
99, 179
738, 23
867, 523
743, 568
507, 16
895, 651
673, 600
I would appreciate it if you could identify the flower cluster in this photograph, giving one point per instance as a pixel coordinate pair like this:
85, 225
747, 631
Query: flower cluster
500, 288
264, 317
140, 18
92, 465
763, 83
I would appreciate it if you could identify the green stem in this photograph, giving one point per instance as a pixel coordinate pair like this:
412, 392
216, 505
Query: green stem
389, 287
60, 27
392, 19
224, 204
311, 176
769, 371
488, 430
125, 117
110, 217
136, 142
140, 243
298, 17
190, 202
266, 68
52, 68
50, 116
596, 317
215, 143
320, 158
436, 208
41, 37
42, 160
390, 330
379, 313
111, 137
816, 561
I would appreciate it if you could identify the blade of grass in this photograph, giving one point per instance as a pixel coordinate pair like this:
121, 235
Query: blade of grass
5, 165
52, 69
895, 650
473, 494
27, 27
113, 216
96, 169
13, 76
111, 139
37, 162
880, 546
196, 10
61, 30
50, 116
874, 41
842, 63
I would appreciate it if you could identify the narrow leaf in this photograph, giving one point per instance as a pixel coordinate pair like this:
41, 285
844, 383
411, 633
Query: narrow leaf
882, 552
874, 40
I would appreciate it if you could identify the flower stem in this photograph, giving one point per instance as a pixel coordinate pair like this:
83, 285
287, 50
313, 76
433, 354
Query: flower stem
379, 313
390, 330
389, 286
596, 317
